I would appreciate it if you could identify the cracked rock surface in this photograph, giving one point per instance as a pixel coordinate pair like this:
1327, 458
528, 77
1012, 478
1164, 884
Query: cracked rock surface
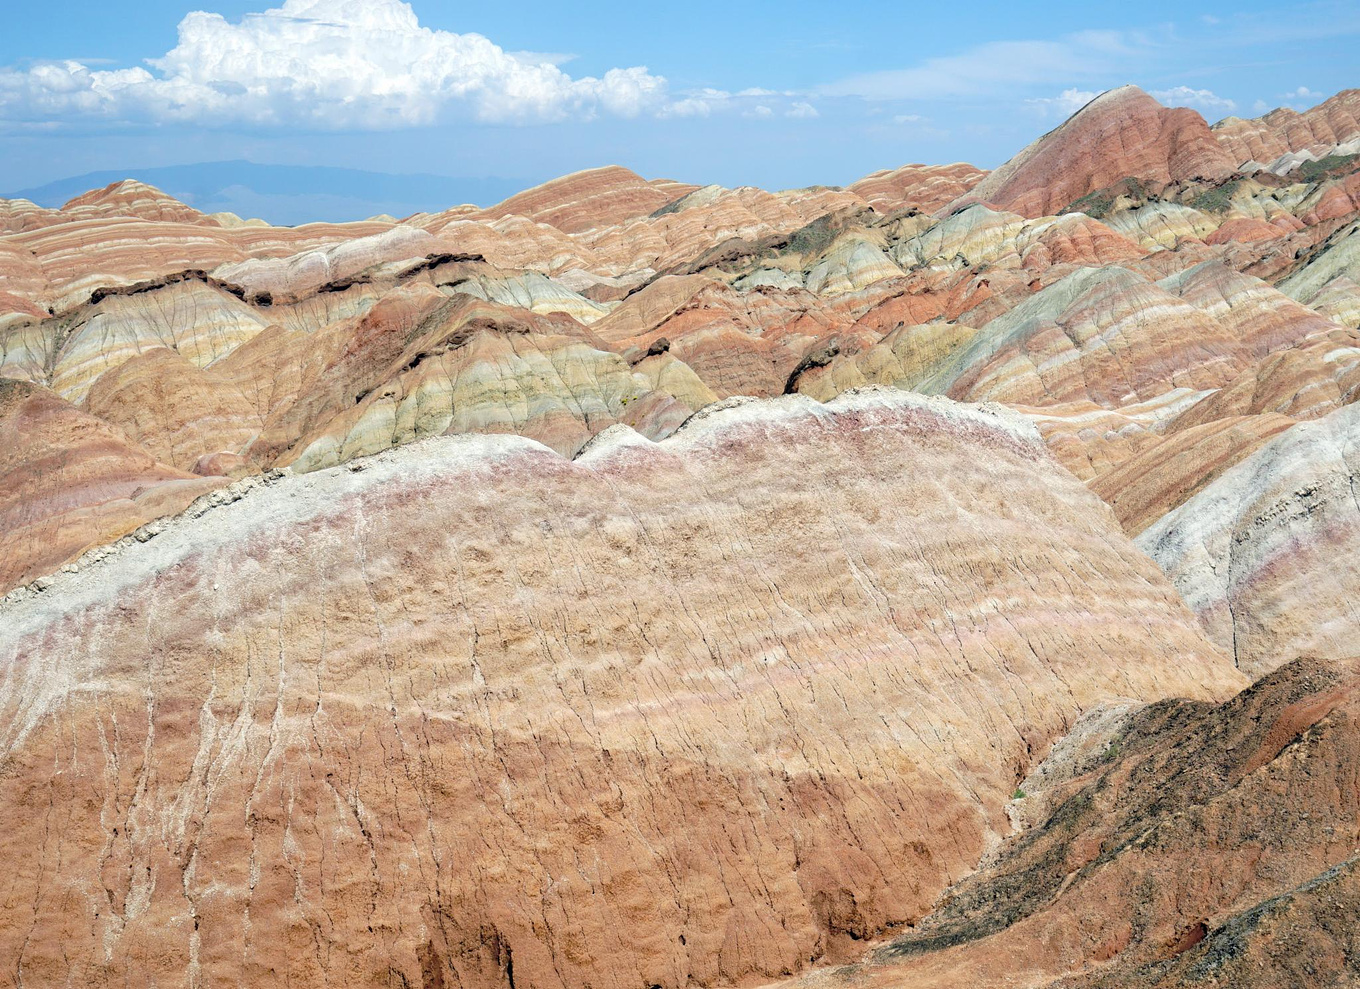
1185, 844
1267, 554
701, 711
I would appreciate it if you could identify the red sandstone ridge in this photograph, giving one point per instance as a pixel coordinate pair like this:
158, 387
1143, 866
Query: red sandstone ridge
1120, 134
132, 199
672, 687
593, 198
1264, 139
922, 187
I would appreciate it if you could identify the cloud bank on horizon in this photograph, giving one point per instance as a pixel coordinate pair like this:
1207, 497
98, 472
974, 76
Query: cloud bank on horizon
352, 65
364, 64
783, 98
371, 65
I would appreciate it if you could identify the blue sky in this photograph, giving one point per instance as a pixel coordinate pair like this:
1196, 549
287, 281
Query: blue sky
773, 94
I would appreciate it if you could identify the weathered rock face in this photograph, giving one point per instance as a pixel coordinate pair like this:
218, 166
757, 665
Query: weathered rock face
977, 235
1089, 439
299, 275
700, 711
597, 197
1105, 335
421, 364
1119, 134
70, 481
1163, 225
1330, 281
1319, 374
198, 321
1176, 844
178, 412
135, 199
907, 358
1268, 555
1165, 472
1089, 336
76, 254
922, 187
1267, 138
748, 287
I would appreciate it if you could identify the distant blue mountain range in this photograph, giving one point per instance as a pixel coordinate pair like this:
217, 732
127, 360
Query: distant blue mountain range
291, 194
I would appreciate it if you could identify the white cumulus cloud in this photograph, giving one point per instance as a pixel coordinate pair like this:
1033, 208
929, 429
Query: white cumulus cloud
699, 103
1200, 99
751, 103
327, 63
1066, 103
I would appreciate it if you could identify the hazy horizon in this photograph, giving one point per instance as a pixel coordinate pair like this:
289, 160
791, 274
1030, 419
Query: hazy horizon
776, 98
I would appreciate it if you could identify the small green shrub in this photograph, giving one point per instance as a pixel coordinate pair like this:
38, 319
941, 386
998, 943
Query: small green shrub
1311, 171
1216, 200
1096, 205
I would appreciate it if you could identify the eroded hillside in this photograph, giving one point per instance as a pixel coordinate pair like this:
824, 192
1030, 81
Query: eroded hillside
651, 584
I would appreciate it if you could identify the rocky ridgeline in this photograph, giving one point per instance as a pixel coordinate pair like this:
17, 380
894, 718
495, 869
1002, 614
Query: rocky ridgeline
621, 587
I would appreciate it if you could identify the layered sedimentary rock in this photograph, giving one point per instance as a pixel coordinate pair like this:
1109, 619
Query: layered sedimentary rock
1170, 469
906, 358
808, 290
1169, 845
745, 685
1261, 319
710, 224
852, 263
1088, 336
1162, 225
921, 187
754, 292
1319, 374
597, 197
302, 274
1089, 439
1330, 281
70, 481
1114, 337
1267, 554
978, 235
195, 318
134, 199
421, 364
176, 411
1119, 134
1318, 130
700, 711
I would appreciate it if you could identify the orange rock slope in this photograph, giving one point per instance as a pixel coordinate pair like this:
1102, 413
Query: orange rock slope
1320, 130
70, 482
1169, 845
1122, 133
703, 711
487, 596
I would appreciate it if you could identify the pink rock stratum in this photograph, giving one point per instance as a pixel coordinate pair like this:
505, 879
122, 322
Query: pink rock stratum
707, 710
611, 589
